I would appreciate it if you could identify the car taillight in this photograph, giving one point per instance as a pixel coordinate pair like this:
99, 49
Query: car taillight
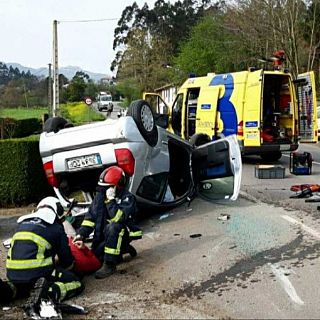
240, 128
48, 169
125, 160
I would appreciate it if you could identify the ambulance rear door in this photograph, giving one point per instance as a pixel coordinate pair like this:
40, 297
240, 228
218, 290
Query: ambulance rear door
206, 120
252, 109
307, 103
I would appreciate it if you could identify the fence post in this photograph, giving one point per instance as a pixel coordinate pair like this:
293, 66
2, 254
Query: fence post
45, 117
1, 128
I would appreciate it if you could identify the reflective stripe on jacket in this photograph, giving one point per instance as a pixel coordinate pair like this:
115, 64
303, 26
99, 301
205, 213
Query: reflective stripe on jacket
121, 210
33, 248
40, 246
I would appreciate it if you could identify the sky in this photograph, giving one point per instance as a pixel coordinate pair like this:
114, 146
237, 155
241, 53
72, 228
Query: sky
26, 32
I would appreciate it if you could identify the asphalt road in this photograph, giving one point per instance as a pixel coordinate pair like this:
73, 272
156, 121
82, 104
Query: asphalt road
260, 263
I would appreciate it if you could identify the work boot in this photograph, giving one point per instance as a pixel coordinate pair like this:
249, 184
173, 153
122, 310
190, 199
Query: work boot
39, 292
132, 251
106, 270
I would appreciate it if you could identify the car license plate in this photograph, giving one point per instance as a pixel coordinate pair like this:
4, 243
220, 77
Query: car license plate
284, 147
84, 161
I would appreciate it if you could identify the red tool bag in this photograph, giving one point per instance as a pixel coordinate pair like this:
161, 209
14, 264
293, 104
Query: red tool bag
84, 259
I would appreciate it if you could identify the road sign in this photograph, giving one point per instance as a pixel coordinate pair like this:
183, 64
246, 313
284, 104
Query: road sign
88, 101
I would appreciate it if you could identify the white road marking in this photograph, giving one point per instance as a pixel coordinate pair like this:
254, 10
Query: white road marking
150, 235
286, 284
216, 248
313, 232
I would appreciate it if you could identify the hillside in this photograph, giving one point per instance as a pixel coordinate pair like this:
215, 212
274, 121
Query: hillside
68, 71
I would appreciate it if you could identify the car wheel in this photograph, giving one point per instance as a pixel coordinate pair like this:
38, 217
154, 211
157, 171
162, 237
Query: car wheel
271, 156
199, 139
142, 114
55, 124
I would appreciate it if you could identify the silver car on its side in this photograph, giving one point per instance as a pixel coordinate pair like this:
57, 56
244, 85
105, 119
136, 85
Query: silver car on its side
162, 169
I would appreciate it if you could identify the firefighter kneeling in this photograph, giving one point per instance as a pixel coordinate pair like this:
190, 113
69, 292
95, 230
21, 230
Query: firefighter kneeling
31, 264
111, 217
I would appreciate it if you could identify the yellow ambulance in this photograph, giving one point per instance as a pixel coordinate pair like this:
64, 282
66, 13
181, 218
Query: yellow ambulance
267, 110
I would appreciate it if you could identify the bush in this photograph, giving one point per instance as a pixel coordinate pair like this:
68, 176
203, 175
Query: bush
22, 176
79, 113
13, 128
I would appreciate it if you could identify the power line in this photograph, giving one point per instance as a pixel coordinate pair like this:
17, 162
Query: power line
91, 20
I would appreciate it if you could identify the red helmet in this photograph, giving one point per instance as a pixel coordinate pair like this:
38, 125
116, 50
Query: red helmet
112, 176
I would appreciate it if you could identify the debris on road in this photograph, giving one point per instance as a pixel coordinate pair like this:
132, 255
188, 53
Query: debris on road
224, 217
301, 187
196, 235
306, 193
165, 216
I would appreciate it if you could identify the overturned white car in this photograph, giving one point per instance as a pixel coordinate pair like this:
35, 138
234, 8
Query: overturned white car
163, 169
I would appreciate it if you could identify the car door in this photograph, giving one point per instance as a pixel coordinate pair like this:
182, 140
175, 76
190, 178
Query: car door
217, 169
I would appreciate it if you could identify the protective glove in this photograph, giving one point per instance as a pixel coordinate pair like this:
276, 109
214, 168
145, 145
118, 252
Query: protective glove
78, 237
78, 241
111, 193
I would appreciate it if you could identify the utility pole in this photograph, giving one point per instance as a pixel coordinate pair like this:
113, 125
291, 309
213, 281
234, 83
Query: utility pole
50, 89
55, 105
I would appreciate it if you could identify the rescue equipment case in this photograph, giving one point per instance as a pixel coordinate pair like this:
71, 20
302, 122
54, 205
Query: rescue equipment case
300, 163
269, 172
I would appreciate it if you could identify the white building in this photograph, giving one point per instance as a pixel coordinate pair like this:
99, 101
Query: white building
167, 93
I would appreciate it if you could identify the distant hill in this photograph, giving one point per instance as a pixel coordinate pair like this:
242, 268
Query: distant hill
68, 71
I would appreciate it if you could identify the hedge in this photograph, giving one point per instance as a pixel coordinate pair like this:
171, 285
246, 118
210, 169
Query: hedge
23, 179
13, 128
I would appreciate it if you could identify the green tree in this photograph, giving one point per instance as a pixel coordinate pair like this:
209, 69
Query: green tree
91, 89
130, 90
311, 33
159, 32
211, 48
144, 59
269, 25
75, 91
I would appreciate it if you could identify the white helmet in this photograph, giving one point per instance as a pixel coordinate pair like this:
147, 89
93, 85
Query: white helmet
48, 209
53, 204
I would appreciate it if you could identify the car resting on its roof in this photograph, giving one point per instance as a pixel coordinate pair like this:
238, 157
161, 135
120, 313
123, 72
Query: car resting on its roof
162, 168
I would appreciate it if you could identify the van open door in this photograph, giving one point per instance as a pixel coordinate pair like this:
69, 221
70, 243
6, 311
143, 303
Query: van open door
307, 101
160, 109
252, 110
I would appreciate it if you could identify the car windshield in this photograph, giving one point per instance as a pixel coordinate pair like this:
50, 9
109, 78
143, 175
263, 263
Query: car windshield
106, 98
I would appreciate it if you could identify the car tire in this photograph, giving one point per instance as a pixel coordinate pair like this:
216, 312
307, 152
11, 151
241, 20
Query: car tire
55, 124
199, 139
271, 156
142, 114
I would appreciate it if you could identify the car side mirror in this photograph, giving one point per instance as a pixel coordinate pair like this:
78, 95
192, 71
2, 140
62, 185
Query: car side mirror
162, 120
